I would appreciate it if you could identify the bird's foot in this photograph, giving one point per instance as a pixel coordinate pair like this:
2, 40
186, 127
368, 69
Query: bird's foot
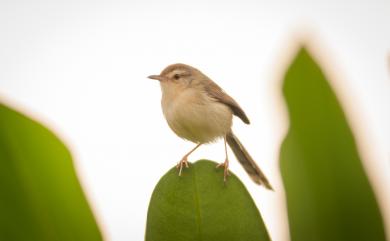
225, 166
183, 162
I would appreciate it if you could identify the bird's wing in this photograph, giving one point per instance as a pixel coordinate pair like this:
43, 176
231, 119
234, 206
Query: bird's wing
213, 90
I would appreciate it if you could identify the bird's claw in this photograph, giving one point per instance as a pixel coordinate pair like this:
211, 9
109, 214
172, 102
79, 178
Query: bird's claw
182, 163
225, 166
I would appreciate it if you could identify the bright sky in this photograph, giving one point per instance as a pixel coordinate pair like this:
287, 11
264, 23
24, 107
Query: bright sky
80, 67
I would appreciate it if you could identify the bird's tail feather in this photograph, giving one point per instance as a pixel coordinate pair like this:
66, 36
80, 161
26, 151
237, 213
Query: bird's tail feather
246, 161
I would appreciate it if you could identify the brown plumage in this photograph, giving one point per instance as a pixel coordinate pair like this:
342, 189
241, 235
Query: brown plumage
247, 161
197, 109
217, 92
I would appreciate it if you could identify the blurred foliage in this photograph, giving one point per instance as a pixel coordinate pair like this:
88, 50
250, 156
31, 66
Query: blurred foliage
328, 194
41, 198
199, 206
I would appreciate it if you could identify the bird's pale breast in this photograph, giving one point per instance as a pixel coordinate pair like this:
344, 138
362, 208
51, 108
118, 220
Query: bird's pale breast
195, 116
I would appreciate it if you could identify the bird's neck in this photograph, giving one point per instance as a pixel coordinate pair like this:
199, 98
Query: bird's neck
170, 91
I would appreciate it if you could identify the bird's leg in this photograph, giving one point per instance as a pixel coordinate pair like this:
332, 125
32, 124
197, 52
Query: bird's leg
184, 161
225, 164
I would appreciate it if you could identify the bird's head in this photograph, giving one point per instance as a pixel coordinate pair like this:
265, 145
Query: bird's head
179, 75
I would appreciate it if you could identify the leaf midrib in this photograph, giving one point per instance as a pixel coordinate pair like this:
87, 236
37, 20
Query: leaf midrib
197, 204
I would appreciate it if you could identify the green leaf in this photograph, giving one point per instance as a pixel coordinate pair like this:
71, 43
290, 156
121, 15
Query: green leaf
199, 206
40, 198
328, 194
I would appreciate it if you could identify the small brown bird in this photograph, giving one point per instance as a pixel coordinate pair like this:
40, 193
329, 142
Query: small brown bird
198, 110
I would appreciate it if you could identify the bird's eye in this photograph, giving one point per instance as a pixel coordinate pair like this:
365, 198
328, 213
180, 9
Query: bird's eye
176, 76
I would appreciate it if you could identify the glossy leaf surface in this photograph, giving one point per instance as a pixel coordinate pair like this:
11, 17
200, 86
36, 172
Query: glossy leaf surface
199, 206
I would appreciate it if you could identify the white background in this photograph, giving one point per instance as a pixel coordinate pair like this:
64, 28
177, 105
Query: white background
80, 67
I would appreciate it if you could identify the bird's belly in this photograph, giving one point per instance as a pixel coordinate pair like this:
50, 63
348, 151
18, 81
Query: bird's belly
199, 122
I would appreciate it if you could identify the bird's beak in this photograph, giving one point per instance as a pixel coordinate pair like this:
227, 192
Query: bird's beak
157, 77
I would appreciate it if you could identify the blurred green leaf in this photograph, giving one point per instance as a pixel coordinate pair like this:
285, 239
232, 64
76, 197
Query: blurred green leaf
328, 194
40, 196
199, 206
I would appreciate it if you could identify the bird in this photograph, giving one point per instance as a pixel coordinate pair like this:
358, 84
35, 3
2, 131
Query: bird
198, 110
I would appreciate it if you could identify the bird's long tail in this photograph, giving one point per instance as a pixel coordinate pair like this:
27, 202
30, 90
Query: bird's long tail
246, 161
